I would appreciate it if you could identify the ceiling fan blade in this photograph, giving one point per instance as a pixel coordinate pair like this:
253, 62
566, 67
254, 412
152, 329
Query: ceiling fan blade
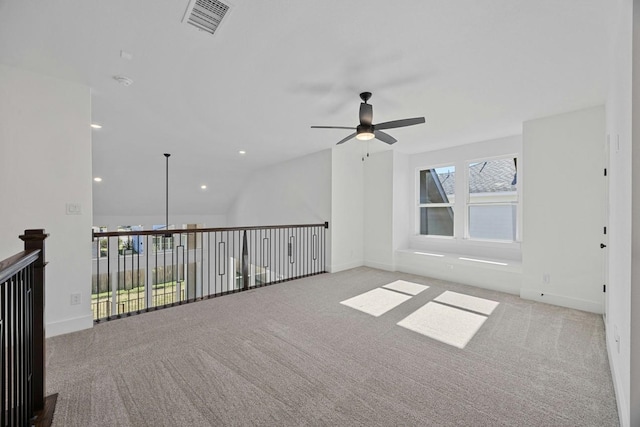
400, 123
346, 139
384, 137
366, 114
331, 127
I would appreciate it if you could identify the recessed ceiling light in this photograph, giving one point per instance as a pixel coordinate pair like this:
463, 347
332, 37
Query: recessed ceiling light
97, 179
96, 126
242, 152
204, 187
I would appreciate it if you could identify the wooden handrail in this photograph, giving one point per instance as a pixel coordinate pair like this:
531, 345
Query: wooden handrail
10, 266
201, 230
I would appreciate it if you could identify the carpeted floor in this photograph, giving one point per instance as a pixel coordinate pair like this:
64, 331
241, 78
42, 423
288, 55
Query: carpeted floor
291, 354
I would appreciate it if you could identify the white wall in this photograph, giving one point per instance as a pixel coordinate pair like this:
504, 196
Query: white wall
294, 192
402, 196
618, 116
378, 210
45, 162
563, 219
347, 201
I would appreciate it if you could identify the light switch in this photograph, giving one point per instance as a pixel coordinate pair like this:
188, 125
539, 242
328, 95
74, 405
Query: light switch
74, 209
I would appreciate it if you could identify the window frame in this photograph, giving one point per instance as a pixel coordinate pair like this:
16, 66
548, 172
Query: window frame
419, 205
462, 202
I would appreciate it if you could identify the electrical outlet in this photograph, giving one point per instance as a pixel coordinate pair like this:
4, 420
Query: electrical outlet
546, 278
76, 299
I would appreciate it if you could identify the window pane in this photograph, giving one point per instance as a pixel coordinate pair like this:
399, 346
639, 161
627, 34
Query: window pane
494, 222
493, 181
437, 185
436, 221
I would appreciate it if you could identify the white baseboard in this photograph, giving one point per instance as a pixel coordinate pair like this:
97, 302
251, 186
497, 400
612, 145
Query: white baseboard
68, 325
623, 408
346, 266
380, 266
563, 301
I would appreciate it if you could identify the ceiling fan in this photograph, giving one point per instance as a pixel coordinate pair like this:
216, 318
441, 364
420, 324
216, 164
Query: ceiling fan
367, 130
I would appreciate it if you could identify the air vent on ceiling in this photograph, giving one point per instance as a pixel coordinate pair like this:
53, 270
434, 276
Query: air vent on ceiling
206, 15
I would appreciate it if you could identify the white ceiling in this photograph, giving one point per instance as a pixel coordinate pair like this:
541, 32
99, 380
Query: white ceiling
475, 69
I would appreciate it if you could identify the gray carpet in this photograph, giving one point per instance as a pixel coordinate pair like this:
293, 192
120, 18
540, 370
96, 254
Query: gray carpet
291, 354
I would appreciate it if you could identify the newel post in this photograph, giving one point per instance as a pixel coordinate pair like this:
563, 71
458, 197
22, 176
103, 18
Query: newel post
34, 239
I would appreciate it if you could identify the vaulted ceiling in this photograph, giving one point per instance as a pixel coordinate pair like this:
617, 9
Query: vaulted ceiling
474, 69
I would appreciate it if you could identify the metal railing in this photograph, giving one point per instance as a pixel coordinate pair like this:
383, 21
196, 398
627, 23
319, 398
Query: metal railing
138, 271
22, 336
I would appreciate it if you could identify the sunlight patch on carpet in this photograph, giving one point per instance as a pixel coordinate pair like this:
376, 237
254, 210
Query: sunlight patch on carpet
467, 302
406, 287
376, 302
443, 323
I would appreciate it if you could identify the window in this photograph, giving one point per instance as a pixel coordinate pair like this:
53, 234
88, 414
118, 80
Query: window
100, 244
436, 201
160, 242
479, 204
493, 199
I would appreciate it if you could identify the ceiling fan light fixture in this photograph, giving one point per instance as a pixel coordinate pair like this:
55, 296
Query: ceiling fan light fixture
364, 132
365, 136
